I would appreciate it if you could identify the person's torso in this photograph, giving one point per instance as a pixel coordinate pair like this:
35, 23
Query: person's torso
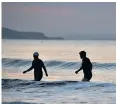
87, 66
37, 65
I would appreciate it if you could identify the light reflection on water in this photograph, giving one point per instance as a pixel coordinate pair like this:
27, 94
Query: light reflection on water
68, 50
97, 51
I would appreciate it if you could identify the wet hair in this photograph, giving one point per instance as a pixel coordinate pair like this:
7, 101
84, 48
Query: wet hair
82, 53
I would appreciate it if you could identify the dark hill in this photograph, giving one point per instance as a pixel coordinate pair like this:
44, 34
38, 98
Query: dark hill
12, 34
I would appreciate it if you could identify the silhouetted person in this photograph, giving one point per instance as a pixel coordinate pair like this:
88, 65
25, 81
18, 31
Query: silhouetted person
86, 66
37, 64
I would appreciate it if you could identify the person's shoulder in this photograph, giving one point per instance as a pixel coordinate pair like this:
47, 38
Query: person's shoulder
40, 60
86, 59
33, 61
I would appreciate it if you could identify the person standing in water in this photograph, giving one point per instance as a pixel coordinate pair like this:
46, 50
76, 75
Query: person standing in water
37, 64
86, 66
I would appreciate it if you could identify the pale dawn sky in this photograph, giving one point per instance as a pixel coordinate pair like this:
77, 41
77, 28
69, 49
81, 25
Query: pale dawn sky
70, 20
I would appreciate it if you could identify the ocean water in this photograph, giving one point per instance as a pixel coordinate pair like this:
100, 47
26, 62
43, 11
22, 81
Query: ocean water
61, 58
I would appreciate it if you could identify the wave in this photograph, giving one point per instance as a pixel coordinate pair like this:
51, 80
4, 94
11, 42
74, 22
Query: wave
15, 62
13, 83
18, 102
24, 84
8, 62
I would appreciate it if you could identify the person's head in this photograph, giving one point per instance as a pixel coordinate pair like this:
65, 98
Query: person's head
82, 54
35, 55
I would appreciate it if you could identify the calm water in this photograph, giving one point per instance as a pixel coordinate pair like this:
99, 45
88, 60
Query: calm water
61, 59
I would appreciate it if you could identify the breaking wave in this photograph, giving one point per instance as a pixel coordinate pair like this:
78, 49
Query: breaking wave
8, 62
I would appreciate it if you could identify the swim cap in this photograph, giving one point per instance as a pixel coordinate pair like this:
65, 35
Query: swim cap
36, 54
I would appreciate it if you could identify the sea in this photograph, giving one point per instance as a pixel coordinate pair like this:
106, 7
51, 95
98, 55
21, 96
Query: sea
61, 58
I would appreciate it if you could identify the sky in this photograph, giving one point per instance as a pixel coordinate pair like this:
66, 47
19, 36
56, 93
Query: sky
77, 20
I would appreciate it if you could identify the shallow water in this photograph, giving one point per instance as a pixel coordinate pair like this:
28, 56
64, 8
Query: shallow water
57, 92
61, 59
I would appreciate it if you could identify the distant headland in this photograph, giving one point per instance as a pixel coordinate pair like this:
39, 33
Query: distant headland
13, 34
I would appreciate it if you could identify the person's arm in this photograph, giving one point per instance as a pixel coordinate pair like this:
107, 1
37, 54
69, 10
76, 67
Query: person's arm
44, 69
78, 70
28, 69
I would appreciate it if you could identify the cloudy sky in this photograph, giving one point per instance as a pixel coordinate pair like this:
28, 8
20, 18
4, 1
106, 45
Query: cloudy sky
69, 20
